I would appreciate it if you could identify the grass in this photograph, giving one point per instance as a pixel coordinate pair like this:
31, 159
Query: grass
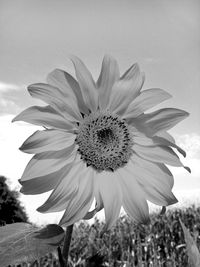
159, 244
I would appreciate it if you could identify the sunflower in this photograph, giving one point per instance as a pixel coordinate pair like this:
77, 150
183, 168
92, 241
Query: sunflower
98, 143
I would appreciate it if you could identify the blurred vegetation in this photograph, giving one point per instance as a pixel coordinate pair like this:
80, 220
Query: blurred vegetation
159, 244
11, 211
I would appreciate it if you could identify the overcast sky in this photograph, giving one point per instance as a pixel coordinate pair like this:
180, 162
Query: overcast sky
162, 36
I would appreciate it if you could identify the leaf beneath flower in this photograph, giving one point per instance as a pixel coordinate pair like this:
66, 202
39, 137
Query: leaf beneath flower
23, 242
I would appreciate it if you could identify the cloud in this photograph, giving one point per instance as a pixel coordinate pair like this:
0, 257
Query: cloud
190, 143
186, 185
14, 98
8, 86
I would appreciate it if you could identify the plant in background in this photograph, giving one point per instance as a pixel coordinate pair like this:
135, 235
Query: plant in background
98, 143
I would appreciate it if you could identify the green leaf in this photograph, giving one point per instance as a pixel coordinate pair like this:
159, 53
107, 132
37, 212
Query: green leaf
23, 242
192, 250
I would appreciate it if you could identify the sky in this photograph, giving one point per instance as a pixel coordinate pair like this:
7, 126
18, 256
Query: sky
38, 36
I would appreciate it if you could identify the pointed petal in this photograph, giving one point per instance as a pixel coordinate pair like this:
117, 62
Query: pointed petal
81, 203
141, 139
65, 105
68, 85
98, 206
167, 136
112, 199
156, 170
163, 119
134, 201
108, 76
146, 100
67, 189
47, 140
44, 183
162, 141
87, 84
158, 154
45, 116
48, 162
155, 182
125, 90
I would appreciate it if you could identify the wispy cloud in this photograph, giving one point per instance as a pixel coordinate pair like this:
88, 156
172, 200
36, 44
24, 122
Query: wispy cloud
14, 98
190, 143
8, 86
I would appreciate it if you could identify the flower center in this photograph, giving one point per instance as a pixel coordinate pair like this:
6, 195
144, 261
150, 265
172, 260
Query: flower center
104, 141
105, 136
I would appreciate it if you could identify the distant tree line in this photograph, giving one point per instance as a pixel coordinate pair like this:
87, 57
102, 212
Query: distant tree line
11, 210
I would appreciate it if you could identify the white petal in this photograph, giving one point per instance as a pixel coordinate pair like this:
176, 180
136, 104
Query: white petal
45, 116
144, 101
167, 136
47, 140
134, 201
98, 206
126, 89
162, 141
48, 162
141, 139
154, 179
81, 203
69, 86
107, 183
87, 84
156, 169
108, 76
44, 183
158, 154
67, 189
51, 95
163, 119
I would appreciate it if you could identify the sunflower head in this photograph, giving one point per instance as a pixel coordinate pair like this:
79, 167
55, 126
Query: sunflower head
98, 142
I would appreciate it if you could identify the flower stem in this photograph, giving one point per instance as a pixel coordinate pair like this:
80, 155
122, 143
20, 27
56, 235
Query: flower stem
60, 257
67, 242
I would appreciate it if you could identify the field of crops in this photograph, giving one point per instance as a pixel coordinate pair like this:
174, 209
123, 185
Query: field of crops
159, 244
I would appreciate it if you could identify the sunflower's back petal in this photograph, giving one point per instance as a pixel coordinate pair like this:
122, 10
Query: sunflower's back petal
167, 136
69, 86
65, 105
87, 84
47, 140
162, 141
68, 190
65, 190
157, 170
126, 89
44, 183
158, 154
81, 203
161, 198
142, 139
98, 206
108, 76
112, 199
163, 119
45, 116
155, 182
134, 201
144, 101
48, 162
